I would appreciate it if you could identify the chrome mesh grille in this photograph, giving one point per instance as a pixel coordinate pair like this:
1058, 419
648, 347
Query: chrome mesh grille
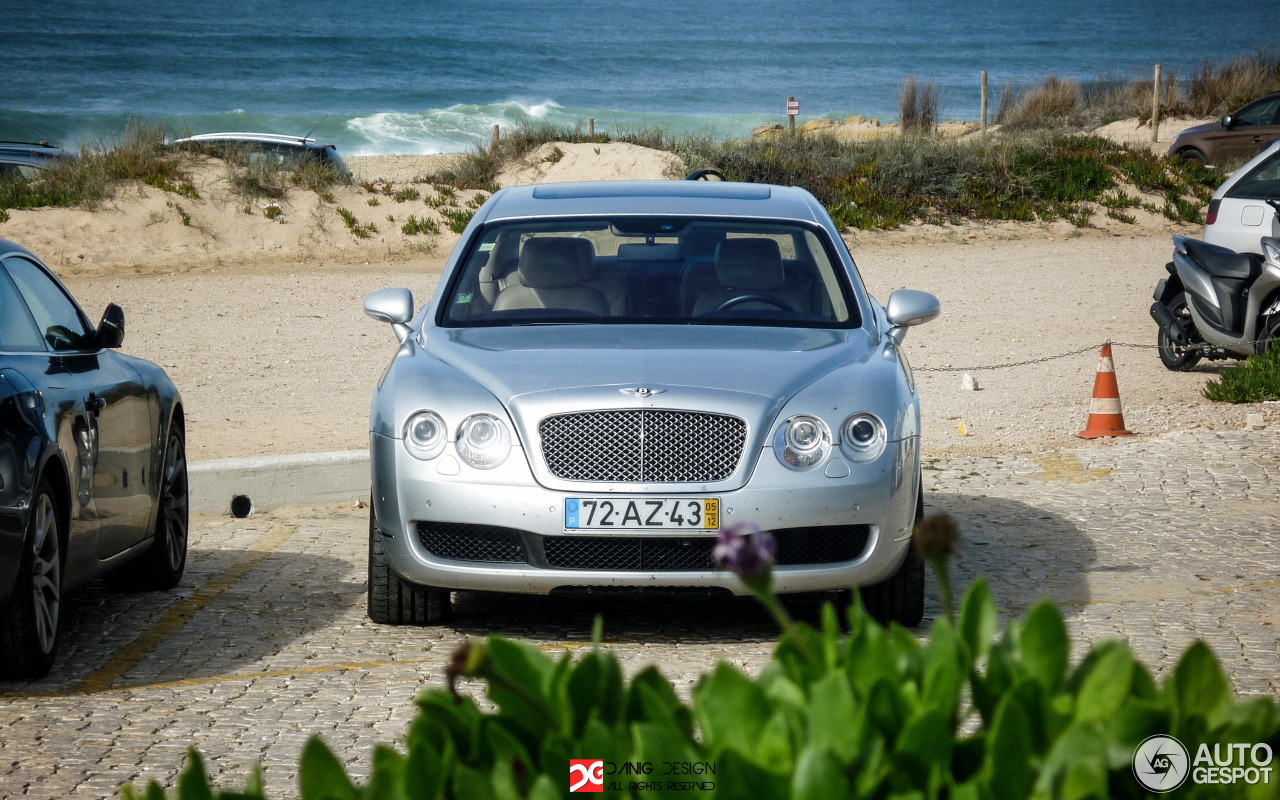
642, 446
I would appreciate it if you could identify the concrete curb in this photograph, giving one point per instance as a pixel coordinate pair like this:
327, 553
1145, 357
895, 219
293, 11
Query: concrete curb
271, 481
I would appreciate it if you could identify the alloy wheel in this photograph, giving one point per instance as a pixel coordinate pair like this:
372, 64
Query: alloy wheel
174, 503
46, 574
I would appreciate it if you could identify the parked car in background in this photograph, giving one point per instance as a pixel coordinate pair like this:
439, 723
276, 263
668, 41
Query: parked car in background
1240, 133
286, 150
610, 373
93, 476
1243, 209
28, 159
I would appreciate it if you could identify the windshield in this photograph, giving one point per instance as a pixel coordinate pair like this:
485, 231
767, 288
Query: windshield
650, 271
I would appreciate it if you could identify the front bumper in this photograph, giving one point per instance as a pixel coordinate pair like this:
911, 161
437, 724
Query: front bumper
880, 494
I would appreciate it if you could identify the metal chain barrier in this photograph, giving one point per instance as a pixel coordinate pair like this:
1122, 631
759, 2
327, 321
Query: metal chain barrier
1087, 349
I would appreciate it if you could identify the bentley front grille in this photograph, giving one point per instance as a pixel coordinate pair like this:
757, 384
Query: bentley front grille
642, 446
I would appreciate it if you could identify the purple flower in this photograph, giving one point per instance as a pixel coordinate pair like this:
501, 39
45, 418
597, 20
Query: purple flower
744, 550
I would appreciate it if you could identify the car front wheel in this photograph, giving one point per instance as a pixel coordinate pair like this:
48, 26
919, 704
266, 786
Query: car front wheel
395, 601
29, 622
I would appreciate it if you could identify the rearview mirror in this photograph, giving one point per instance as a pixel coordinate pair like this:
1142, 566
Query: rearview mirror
394, 306
1228, 121
110, 333
907, 307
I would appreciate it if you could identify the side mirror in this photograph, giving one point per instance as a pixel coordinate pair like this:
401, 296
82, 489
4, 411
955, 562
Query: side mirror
907, 307
394, 306
1228, 121
110, 333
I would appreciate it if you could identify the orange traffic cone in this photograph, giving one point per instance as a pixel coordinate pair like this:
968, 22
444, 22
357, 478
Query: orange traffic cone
1105, 418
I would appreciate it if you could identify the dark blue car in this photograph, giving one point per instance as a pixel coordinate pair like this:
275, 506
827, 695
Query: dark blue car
93, 475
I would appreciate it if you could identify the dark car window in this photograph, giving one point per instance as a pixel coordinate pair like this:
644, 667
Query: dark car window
1262, 183
18, 331
1261, 113
58, 319
651, 271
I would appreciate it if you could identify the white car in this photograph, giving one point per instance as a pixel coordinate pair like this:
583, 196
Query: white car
1247, 206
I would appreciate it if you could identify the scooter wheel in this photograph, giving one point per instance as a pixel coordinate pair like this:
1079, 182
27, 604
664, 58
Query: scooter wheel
1173, 356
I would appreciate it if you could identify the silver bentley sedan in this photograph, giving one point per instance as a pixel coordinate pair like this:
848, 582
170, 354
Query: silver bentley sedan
609, 373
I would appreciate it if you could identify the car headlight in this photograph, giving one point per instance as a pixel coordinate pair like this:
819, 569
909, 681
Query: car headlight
424, 435
862, 437
483, 441
802, 442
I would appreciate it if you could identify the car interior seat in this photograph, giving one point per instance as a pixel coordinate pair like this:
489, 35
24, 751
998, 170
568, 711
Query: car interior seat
750, 266
552, 274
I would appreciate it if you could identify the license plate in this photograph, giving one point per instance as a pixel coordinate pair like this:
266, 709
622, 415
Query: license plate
648, 513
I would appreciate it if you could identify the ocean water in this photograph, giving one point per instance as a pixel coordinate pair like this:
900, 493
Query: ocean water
382, 76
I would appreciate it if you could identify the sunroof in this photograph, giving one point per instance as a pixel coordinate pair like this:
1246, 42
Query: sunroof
584, 191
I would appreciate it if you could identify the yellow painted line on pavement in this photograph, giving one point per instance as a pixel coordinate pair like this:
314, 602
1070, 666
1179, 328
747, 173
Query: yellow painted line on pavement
132, 654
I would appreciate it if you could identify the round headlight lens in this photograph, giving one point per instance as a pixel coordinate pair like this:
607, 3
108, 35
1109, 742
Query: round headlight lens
802, 442
483, 441
862, 437
424, 435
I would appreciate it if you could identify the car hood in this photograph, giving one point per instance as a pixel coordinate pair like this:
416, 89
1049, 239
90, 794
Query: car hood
770, 362
538, 371
1196, 130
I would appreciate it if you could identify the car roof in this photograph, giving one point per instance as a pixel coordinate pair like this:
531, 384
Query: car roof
9, 248
38, 151
241, 136
677, 198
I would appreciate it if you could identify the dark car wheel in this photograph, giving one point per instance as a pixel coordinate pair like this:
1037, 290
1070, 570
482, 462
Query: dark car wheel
395, 601
899, 599
1177, 358
29, 623
163, 563
1192, 154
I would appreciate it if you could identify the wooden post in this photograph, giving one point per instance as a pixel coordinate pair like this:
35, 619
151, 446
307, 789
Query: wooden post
791, 121
591, 128
493, 146
984, 102
1155, 108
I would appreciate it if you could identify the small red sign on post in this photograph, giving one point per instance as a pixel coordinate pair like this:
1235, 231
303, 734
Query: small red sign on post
793, 108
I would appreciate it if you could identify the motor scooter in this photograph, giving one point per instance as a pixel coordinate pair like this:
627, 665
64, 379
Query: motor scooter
1217, 303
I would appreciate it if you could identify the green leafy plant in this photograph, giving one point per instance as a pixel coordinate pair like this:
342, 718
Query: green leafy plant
456, 219
357, 230
969, 713
4, 215
1121, 216
408, 193
1254, 381
373, 201
272, 211
414, 226
554, 156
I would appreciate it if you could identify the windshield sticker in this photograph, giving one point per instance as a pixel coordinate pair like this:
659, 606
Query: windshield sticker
464, 298
487, 246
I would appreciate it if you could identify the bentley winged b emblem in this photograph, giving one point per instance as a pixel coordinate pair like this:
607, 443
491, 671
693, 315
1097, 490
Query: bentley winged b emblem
641, 391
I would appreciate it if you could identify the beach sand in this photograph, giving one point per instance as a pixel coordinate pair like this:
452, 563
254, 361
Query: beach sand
260, 322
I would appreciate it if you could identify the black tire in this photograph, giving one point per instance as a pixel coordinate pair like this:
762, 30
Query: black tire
900, 598
161, 566
1176, 358
30, 621
395, 601
1270, 330
1192, 154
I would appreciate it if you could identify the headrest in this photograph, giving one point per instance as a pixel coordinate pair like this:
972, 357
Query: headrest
752, 264
649, 252
699, 241
555, 262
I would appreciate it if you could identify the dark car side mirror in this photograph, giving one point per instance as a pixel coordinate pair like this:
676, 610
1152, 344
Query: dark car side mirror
111, 329
1228, 121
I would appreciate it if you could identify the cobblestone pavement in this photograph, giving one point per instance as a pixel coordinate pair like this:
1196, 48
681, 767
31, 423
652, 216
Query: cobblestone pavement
1156, 541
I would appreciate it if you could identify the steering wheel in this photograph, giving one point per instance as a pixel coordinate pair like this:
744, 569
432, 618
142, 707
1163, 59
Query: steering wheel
708, 174
754, 297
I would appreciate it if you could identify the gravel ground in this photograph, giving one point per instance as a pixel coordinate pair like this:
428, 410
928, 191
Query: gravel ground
281, 359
